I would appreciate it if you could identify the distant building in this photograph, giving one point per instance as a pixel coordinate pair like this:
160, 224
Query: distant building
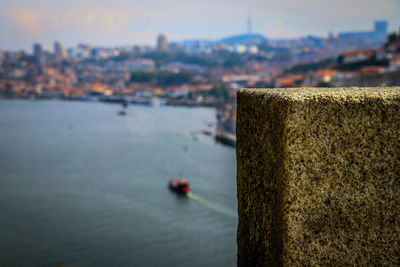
176, 48
240, 48
378, 35
353, 56
177, 67
162, 43
381, 30
138, 65
105, 52
37, 50
59, 50
137, 49
373, 69
83, 51
394, 63
252, 49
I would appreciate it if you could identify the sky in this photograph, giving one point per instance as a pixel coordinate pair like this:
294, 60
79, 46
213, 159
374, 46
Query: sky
114, 23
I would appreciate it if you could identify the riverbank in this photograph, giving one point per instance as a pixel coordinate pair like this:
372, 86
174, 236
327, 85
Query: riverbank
225, 111
225, 131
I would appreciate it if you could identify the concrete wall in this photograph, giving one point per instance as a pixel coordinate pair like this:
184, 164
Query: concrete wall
318, 178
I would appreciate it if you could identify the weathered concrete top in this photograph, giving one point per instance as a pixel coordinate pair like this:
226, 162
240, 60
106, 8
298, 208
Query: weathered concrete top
349, 93
318, 176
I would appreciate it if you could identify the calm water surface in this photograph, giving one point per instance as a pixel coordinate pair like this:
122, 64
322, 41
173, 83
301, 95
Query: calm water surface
81, 186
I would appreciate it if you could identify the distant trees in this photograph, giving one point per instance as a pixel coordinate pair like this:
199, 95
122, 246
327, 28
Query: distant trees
219, 91
197, 60
141, 77
160, 57
122, 57
233, 60
171, 78
323, 84
263, 84
392, 38
161, 78
302, 68
340, 59
222, 58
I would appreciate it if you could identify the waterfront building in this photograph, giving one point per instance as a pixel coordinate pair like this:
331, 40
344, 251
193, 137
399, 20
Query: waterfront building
353, 56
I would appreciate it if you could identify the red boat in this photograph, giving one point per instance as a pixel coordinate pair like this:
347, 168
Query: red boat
180, 186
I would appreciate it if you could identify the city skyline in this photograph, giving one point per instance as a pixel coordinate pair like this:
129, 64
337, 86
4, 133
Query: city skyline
121, 23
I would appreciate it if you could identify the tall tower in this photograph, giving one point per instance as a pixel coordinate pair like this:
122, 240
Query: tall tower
37, 50
380, 30
381, 26
60, 50
249, 25
162, 43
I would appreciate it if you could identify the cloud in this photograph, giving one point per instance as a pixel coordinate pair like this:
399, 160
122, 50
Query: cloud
108, 21
29, 21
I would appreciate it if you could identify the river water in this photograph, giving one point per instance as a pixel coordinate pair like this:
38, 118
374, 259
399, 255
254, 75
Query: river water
82, 186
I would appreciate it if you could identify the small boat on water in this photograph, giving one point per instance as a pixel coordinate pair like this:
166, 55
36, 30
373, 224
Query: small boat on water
207, 132
180, 186
157, 102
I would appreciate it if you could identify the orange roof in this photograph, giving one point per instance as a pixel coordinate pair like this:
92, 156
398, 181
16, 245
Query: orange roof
290, 80
285, 82
326, 72
184, 87
251, 83
372, 69
366, 52
395, 61
204, 87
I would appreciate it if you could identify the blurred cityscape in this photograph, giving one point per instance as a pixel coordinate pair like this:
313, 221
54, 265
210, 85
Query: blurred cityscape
202, 72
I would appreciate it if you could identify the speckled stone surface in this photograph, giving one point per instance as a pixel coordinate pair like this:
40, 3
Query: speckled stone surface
318, 177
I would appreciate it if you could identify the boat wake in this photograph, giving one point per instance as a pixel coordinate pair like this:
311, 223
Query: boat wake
212, 206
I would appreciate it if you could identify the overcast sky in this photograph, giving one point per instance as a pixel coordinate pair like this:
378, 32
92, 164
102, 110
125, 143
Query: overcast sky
127, 22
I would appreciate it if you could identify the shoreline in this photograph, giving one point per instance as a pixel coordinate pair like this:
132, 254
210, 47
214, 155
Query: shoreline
220, 135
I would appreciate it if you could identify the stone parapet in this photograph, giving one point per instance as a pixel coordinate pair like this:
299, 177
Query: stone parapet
318, 177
